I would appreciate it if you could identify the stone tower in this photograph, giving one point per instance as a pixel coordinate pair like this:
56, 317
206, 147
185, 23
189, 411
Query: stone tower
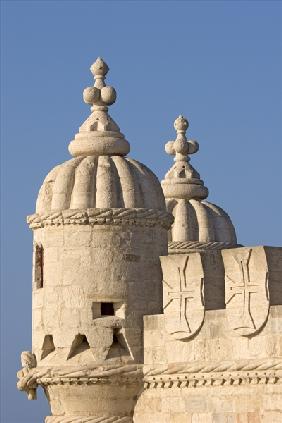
99, 229
145, 308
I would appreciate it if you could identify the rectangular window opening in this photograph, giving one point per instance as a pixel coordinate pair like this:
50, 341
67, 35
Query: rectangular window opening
107, 309
39, 266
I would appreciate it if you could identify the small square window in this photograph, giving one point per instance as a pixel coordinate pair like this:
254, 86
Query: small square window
107, 309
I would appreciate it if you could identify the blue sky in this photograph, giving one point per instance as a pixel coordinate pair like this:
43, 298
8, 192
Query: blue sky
216, 62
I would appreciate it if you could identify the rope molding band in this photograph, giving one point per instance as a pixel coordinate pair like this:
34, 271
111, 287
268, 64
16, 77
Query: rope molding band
181, 375
243, 365
30, 379
136, 217
215, 374
180, 247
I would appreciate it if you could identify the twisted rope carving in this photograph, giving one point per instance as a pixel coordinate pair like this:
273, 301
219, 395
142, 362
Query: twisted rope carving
85, 419
258, 365
140, 217
215, 374
31, 378
197, 246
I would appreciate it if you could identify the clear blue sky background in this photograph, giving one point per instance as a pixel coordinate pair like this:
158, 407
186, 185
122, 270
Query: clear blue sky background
216, 62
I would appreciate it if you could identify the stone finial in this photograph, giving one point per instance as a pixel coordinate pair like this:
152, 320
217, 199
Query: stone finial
100, 95
99, 135
182, 180
180, 147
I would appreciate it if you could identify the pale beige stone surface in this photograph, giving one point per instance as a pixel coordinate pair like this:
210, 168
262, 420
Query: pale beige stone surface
184, 310
99, 229
219, 374
122, 332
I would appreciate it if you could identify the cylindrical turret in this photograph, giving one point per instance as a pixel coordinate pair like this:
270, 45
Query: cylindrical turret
99, 229
96, 265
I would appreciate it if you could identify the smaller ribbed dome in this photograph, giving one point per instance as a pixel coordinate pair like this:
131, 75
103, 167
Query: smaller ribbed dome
200, 221
195, 220
100, 182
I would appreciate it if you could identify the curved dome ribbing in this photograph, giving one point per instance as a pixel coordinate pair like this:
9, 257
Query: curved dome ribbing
100, 182
200, 221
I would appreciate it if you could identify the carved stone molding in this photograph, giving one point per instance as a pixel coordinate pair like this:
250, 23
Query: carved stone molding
215, 374
177, 375
213, 379
109, 216
115, 374
181, 247
223, 366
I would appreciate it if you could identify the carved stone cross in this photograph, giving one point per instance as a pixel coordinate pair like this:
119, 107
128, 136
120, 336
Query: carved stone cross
245, 287
183, 294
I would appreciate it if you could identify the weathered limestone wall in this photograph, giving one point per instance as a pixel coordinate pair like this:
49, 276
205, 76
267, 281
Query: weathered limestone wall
240, 404
218, 365
215, 342
223, 378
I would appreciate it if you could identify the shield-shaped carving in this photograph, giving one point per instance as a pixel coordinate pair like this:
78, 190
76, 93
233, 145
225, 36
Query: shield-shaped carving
183, 284
246, 289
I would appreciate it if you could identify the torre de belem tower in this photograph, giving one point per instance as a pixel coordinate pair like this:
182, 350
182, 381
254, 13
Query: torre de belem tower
146, 308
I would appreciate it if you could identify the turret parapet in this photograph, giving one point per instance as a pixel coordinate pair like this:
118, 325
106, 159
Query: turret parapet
99, 135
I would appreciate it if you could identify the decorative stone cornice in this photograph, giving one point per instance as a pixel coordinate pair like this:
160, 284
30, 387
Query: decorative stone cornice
182, 247
108, 216
213, 379
215, 374
29, 379
182, 375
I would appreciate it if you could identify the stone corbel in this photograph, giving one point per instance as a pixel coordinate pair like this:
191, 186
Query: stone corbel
26, 376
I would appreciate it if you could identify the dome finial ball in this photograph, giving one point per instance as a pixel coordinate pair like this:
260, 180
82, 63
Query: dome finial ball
181, 124
99, 67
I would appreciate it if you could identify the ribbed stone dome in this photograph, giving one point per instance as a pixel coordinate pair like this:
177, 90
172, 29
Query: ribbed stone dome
200, 221
100, 175
100, 182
